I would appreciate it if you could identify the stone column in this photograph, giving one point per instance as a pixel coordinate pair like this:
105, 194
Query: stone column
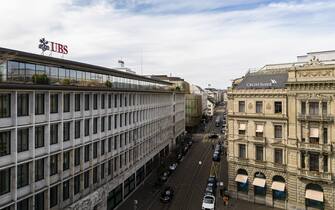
307, 107
306, 161
321, 163
320, 108
321, 133
308, 132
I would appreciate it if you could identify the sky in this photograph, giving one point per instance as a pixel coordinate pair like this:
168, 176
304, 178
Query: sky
206, 42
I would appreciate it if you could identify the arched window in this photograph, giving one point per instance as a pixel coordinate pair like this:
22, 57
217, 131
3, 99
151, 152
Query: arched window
278, 188
314, 196
259, 183
242, 180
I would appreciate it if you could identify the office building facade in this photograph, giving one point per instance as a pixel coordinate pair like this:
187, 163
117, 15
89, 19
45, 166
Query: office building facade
79, 136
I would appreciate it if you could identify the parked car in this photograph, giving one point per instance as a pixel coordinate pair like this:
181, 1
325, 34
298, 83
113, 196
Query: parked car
216, 156
213, 136
190, 142
210, 189
179, 157
212, 180
185, 149
164, 177
167, 194
173, 166
208, 202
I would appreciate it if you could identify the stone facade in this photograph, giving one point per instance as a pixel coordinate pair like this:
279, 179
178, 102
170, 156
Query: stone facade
300, 154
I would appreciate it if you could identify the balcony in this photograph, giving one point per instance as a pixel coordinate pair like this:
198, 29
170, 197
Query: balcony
258, 139
324, 117
315, 147
315, 175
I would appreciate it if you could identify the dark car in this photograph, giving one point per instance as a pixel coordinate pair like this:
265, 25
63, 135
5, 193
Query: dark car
213, 136
212, 180
164, 177
190, 142
216, 157
210, 189
185, 149
167, 194
179, 157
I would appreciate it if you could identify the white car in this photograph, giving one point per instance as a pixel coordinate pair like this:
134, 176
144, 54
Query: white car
208, 203
173, 166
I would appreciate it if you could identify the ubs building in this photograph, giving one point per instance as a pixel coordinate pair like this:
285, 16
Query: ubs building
79, 136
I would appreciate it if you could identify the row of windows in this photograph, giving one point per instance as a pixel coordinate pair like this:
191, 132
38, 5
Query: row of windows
19, 71
24, 134
259, 107
259, 153
259, 131
76, 157
23, 102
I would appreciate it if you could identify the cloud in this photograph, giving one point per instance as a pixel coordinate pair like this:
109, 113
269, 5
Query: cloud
206, 42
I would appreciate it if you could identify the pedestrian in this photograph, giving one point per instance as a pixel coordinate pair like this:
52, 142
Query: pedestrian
225, 200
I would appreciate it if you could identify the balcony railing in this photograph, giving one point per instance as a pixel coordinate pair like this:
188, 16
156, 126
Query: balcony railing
315, 175
258, 139
316, 117
315, 147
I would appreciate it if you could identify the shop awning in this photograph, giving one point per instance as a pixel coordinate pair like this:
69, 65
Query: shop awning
314, 132
242, 126
241, 178
259, 128
259, 182
280, 186
314, 195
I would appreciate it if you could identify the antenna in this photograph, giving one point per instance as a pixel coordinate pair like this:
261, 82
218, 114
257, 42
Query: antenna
141, 61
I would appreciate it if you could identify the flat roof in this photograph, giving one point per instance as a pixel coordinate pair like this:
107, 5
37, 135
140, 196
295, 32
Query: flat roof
11, 54
263, 81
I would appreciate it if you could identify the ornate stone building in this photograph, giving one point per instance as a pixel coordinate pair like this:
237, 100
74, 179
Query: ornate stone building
280, 142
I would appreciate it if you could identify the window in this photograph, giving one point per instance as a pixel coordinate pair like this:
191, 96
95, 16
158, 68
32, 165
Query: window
314, 162
66, 100
77, 156
109, 101
77, 102
95, 149
39, 103
121, 98
102, 101
325, 163
54, 133
303, 107
87, 153
53, 164
22, 175
102, 124
259, 106
110, 141
109, 167
23, 140
241, 106
242, 151
279, 156
39, 201
115, 121
102, 147
109, 122
259, 153
66, 131
76, 184
86, 179
87, 102
23, 205
313, 108
278, 107
121, 118
77, 129
115, 100
102, 170
5, 143
278, 131
325, 135
5, 180
5, 105
95, 101
241, 129
66, 190
95, 175
22, 105
53, 196
66, 160
259, 130
54, 103
39, 169
324, 108
87, 127
95, 125
39, 136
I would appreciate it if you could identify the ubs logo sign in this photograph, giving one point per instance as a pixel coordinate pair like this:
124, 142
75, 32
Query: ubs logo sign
45, 45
